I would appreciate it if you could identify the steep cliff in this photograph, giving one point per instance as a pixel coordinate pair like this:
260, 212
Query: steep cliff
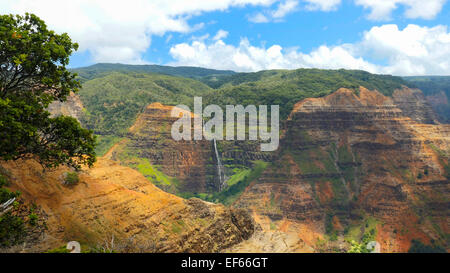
437, 92
413, 104
352, 162
180, 166
73, 107
112, 201
175, 166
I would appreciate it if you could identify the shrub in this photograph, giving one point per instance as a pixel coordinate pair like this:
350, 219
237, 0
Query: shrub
12, 227
419, 247
33, 218
20, 221
12, 230
329, 223
71, 179
334, 236
61, 249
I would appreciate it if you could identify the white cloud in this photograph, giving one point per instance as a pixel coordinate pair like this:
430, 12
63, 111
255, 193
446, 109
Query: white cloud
379, 9
414, 50
276, 15
221, 34
411, 51
117, 30
382, 9
323, 5
258, 18
121, 31
285, 8
246, 57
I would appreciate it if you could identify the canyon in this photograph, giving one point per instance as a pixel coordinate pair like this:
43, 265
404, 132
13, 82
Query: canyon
351, 159
115, 208
352, 165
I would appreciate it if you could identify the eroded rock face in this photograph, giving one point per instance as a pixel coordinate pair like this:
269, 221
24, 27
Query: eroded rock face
345, 157
191, 162
115, 201
414, 105
357, 154
73, 107
440, 103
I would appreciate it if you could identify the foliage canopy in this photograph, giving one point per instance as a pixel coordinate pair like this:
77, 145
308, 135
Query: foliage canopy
33, 74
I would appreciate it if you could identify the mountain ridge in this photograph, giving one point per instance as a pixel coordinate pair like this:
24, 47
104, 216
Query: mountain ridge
93, 71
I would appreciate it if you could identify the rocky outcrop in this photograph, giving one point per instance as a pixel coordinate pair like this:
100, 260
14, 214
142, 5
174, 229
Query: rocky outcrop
113, 201
440, 103
73, 107
413, 104
190, 162
358, 154
243, 153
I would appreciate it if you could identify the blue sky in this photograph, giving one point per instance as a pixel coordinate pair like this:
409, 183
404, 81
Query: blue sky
401, 37
303, 29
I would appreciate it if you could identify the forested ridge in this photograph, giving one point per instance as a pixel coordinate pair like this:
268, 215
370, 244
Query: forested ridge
114, 95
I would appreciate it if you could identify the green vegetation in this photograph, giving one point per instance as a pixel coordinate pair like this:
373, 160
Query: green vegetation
305, 160
231, 193
431, 85
71, 179
33, 218
32, 75
361, 234
12, 227
239, 175
153, 174
273, 226
115, 94
100, 70
418, 247
285, 88
61, 249
313, 160
178, 226
104, 143
114, 101
344, 155
149, 171
329, 228
447, 170
239, 182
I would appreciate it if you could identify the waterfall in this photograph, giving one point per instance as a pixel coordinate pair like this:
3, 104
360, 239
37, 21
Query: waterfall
220, 168
335, 161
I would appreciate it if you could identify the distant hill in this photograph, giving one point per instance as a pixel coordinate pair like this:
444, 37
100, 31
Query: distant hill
431, 85
113, 101
113, 95
99, 70
287, 87
437, 91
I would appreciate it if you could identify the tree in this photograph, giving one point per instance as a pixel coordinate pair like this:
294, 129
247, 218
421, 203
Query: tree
418, 247
33, 74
